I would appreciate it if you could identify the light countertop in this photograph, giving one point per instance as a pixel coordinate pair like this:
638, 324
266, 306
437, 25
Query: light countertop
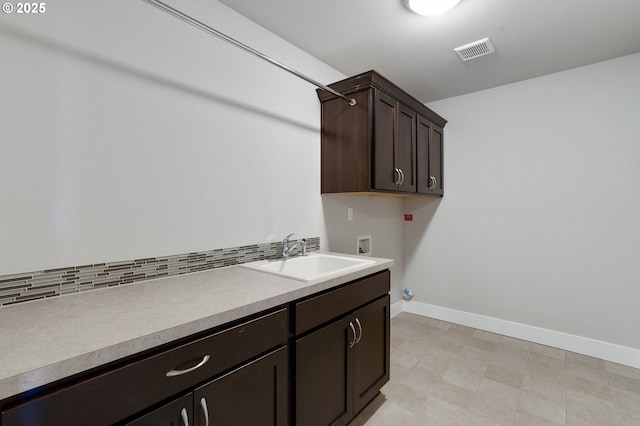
47, 340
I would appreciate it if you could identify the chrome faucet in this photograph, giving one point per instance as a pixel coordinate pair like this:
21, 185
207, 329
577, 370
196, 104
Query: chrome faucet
286, 250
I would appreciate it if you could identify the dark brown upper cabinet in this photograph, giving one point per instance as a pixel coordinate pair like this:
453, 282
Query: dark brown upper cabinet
388, 143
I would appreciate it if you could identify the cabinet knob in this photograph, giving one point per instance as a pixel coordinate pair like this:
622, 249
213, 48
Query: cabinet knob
401, 177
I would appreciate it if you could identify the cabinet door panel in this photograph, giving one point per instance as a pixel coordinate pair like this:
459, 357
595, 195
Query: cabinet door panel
324, 384
346, 144
405, 147
429, 152
385, 175
254, 394
435, 159
425, 183
371, 354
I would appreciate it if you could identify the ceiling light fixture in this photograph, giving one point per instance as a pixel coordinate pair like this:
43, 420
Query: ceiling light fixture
430, 7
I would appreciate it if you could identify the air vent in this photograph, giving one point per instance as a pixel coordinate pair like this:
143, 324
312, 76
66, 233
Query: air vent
475, 49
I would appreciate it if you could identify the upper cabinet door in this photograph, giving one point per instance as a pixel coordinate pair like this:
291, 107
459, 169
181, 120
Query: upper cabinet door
405, 148
436, 159
385, 109
394, 145
429, 153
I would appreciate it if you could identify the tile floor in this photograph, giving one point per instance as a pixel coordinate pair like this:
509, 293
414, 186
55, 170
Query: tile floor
447, 374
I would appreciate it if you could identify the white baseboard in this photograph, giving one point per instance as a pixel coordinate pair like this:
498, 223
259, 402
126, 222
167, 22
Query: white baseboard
396, 308
583, 345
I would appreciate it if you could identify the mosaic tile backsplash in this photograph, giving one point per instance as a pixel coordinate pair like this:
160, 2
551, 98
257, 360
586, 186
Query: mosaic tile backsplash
17, 288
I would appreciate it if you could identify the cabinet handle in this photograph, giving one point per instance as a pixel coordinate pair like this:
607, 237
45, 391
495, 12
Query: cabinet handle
401, 177
396, 171
360, 327
173, 373
184, 416
353, 330
432, 182
205, 410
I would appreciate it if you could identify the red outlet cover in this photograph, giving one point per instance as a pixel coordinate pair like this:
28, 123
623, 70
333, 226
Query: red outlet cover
408, 217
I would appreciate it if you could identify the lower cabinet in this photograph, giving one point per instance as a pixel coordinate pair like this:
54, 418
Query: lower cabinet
316, 361
341, 366
226, 359
253, 394
371, 353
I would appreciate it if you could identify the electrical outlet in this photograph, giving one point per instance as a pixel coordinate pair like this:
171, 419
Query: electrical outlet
349, 214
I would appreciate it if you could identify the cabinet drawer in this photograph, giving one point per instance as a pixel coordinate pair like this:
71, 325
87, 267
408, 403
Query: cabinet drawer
114, 395
327, 306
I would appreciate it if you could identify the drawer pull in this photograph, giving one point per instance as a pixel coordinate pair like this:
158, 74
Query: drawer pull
184, 416
173, 373
360, 336
205, 410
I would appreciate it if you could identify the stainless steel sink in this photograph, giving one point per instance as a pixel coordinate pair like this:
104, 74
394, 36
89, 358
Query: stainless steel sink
312, 267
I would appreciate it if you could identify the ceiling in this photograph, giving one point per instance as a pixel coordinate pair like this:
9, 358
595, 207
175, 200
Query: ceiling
531, 38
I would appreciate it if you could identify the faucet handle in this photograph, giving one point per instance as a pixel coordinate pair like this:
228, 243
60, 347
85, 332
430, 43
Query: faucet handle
287, 237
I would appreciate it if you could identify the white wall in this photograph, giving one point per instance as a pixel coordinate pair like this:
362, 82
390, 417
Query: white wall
126, 133
378, 216
540, 220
